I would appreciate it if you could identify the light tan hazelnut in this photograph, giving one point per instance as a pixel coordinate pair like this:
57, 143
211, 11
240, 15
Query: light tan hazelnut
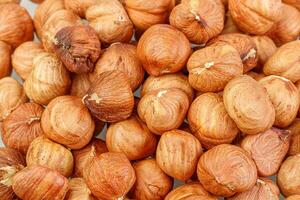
295, 137
9, 1
293, 197
78, 190
294, 3
229, 26
5, 66
79, 7
265, 49
80, 84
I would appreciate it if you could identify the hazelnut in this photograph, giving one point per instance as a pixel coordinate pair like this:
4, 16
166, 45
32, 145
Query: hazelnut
210, 122
123, 57
44, 11
110, 20
78, 190
79, 7
288, 27
16, 24
67, 121
56, 22
144, 13
5, 67
47, 80
293, 197
163, 53
78, 47
295, 137
285, 61
22, 126
298, 87
199, 20
81, 83
211, 68
110, 98
167, 105
37, 1
267, 149
84, 156
11, 161
245, 46
177, 154
109, 176
229, 26
44, 152
99, 126
286, 102
294, 3
288, 176
256, 76
255, 17
263, 189
9, 1
226, 169
37, 182
151, 182
11, 96
249, 105
265, 49
190, 191
166, 82
22, 58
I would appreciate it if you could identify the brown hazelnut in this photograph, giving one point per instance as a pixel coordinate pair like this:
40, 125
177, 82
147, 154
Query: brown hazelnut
167, 105
9, 1
47, 80
163, 53
79, 7
293, 197
44, 11
22, 58
123, 57
109, 176
16, 25
5, 66
166, 82
267, 149
288, 176
199, 20
110, 98
78, 190
286, 102
44, 152
11, 161
177, 154
265, 49
190, 191
249, 105
294, 3
37, 1
56, 22
81, 83
226, 169
285, 62
255, 17
78, 47
151, 182
288, 27
256, 76
245, 46
110, 20
211, 68
12, 95
210, 122
264, 189
22, 126
67, 121
84, 156
99, 126
295, 137
229, 26
37, 182
145, 14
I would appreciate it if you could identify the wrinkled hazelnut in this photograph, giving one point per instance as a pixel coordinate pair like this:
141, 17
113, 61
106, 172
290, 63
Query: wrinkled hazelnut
81, 83
44, 152
79, 7
67, 121
294, 3
22, 58
211, 68
110, 98
109, 176
78, 190
293, 197
169, 106
249, 105
295, 137
5, 66
199, 20
229, 26
47, 80
256, 76
163, 53
177, 154
226, 169
265, 49
22, 126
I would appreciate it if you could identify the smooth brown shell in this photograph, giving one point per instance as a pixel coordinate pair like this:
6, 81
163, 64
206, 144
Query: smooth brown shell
37, 182
5, 66
109, 176
249, 105
67, 121
22, 126
163, 53
211, 68
79, 7
226, 169
265, 49
78, 190
81, 83
177, 154
267, 149
295, 137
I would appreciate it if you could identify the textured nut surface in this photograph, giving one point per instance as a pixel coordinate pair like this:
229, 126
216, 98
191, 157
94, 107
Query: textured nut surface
294, 3
293, 197
81, 83
5, 67
79, 7
256, 76
265, 48
229, 26
78, 190
295, 137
